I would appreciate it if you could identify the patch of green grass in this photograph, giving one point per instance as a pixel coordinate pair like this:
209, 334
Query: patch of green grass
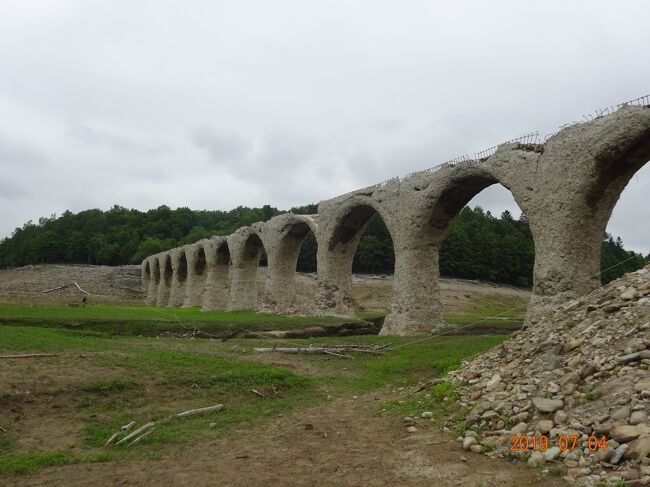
25, 462
109, 386
497, 311
149, 320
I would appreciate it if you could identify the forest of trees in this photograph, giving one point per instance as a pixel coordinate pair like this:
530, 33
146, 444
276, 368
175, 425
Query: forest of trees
479, 245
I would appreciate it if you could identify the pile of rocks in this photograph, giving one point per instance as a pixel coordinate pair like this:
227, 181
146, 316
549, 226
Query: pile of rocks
580, 374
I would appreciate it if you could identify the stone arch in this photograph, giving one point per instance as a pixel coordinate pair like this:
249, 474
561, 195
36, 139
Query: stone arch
341, 225
179, 277
245, 246
426, 204
217, 281
283, 237
165, 282
197, 272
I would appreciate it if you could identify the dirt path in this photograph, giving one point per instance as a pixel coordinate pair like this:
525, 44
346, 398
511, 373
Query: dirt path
336, 443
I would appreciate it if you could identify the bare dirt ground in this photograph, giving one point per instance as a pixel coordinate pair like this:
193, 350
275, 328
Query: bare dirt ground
342, 442
106, 284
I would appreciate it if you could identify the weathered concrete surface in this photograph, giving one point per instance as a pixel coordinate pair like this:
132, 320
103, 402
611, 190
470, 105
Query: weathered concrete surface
245, 246
179, 277
567, 187
197, 273
145, 277
166, 272
282, 238
217, 283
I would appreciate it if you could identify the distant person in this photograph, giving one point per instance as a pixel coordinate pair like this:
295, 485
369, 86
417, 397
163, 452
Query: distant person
84, 300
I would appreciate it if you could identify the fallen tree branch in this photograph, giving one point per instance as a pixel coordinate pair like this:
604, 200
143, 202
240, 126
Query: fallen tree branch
194, 412
29, 355
136, 432
64, 286
143, 435
336, 350
147, 429
85, 292
257, 393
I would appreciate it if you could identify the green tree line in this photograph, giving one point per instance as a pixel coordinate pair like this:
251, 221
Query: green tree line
479, 245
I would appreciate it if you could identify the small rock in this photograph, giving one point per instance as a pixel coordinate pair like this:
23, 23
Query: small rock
624, 433
560, 417
519, 428
618, 453
212, 425
547, 405
629, 294
476, 448
552, 453
468, 441
411, 429
427, 415
493, 383
544, 426
621, 414
638, 417
639, 448
536, 459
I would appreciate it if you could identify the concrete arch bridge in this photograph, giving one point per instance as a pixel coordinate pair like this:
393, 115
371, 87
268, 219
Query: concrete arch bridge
567, 187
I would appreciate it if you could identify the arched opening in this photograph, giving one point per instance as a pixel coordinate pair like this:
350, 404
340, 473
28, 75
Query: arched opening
182, 268
626, 241
200, 264
156, 272
146, 275
253, 248
360, 242
168, 271
483, 236
286, 290
223, 255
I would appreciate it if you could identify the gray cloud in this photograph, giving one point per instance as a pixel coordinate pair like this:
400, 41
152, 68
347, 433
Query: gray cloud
211, 107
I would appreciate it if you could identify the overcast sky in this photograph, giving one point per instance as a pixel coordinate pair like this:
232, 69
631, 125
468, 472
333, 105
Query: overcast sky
218, 104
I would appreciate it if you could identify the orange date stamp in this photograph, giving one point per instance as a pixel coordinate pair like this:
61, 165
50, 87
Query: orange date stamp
564, 442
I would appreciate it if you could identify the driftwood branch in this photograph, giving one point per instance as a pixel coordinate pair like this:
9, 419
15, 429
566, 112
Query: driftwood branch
147, 429
136, 432
335, 350
143, 435
194, 412
66, 285
29, 355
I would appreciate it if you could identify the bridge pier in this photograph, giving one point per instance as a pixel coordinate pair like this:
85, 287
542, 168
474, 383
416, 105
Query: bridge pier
416, 306
196, 274
164, 286
217, 281
179, 277
245, 250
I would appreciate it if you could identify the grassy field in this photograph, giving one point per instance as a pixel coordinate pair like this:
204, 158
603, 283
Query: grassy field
62, 409
150, 321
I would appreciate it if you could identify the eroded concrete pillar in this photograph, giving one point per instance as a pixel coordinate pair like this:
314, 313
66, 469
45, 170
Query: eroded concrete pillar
166, 272
245, 250
197, 272
179, 277
150, 284
217, 283
416, 307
